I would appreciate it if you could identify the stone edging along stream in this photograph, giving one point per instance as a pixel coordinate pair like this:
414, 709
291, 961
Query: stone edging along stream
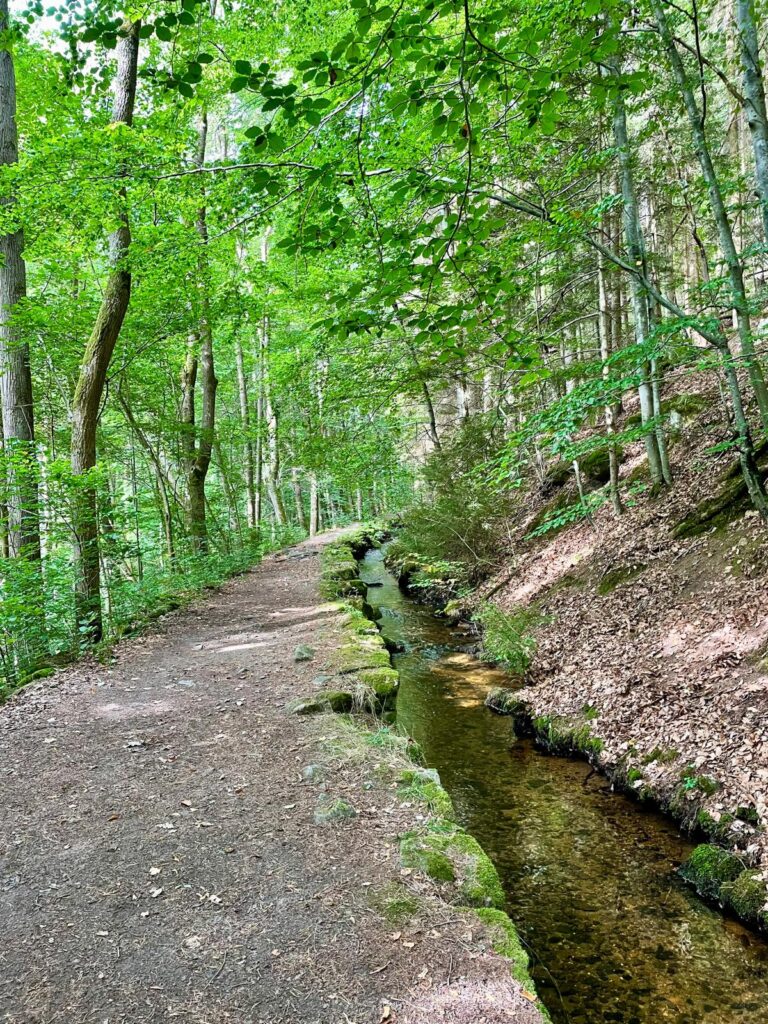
716, 872
438, 847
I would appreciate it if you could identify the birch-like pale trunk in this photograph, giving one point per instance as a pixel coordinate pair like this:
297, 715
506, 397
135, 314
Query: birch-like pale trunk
755, 106
719, 213
245, 421
635, 245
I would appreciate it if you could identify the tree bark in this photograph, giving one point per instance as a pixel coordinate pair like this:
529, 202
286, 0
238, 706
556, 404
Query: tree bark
93, 371
719, 213
755, 107
245, 421
298, 500
635, 244
199, 442
314, 505
15, 373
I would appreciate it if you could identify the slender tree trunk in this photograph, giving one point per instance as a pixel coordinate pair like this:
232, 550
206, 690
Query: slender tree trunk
636, 251
755, 107
719, 213
93, 371
161, 486
200, 464
314, 506
272, 428
298, 500
245, 420
15, 373
259, 453
604, 326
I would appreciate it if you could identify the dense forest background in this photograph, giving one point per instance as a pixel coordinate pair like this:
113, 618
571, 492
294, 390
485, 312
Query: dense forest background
274, 267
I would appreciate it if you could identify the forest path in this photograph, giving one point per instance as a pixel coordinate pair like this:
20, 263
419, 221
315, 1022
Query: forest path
159, 855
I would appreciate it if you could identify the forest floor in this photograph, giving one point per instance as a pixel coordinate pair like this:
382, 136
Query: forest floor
161, 856
657, 636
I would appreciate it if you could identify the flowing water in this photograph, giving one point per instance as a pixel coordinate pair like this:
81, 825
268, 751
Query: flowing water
589, 875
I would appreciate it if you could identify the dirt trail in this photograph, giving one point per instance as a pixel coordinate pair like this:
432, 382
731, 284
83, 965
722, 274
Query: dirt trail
159, 856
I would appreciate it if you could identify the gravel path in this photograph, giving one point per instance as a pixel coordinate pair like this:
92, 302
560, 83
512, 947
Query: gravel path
159, 856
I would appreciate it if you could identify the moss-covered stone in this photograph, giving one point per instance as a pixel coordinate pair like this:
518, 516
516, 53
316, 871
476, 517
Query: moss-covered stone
424, 785
503, 701
475, 877
731, 501
616, 577
304, 653
425, 854
382, 681
746, 897
505, 941
333, 810
362, 654
709, 868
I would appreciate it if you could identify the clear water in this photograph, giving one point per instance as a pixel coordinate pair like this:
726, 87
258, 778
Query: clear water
589, 875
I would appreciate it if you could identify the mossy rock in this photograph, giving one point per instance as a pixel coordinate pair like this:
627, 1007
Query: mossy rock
422, 855
338, 701
334, 810
455, 857
709, 868
304, 653
356, 657
383, 681
746, 897
619, 575
595, 468
730, 502
423, 784
503, 701
505, 941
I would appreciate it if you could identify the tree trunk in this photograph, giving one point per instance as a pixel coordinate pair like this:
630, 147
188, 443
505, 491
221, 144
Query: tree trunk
633, 238
199, 442
93, 371
719, 213
314, 506
272, 427
245, 420
604, 327
15, 373
298, 500
161, 485
755, 107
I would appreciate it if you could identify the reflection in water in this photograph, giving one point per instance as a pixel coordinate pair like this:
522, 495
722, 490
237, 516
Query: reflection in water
589, 875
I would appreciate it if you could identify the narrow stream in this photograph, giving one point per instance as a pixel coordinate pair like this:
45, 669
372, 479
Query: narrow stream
589, 875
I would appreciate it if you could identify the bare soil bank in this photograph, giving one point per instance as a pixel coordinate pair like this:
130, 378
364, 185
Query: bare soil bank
655, 634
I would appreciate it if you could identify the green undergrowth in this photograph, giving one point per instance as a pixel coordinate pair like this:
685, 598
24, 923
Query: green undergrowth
508, 637
558, 734
133, 605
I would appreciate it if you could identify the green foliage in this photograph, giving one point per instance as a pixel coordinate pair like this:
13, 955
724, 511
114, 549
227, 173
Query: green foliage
508, 637
455, 528
569, 514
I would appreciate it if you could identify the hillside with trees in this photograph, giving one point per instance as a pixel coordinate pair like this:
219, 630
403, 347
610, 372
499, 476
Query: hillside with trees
495, 272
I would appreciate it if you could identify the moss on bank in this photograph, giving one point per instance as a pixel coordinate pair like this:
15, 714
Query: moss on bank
720, 876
